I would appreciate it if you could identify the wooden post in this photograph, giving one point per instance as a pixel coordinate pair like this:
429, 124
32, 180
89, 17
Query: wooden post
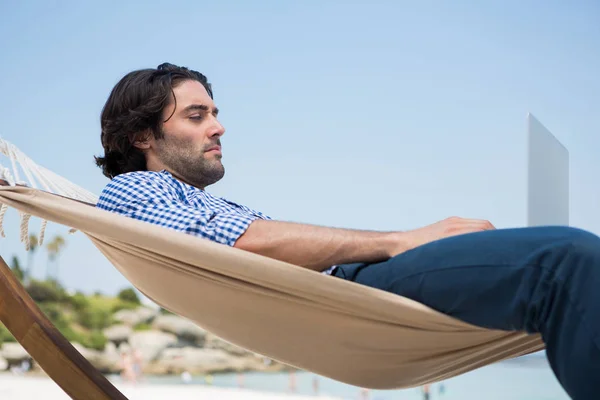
47, 346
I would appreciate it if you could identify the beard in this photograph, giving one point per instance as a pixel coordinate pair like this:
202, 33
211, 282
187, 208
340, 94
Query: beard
184, 161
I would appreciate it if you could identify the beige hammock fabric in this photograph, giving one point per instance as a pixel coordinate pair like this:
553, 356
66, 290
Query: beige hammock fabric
336, 328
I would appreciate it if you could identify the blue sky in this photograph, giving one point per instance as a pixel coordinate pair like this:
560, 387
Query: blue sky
375, 115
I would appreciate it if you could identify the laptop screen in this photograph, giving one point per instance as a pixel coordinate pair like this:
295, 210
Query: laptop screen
548, 177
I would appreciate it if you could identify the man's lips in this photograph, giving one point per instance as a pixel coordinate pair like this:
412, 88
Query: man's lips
216, 149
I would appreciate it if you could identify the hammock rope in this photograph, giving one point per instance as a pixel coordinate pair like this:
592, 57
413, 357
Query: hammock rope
34, 174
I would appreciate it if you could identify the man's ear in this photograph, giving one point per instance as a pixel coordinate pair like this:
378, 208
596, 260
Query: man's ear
143, 141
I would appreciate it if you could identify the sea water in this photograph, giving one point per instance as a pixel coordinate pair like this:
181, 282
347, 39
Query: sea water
520, 379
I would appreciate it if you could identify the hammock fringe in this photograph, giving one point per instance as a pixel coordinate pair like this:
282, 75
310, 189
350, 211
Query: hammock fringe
50, 182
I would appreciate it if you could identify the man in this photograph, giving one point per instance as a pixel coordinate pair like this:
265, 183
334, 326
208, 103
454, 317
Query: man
162, 149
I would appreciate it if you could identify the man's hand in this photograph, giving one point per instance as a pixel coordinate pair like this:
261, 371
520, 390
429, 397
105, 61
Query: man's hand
452, 226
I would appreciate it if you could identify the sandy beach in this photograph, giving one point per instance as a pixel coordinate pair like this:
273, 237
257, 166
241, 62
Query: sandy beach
14, 387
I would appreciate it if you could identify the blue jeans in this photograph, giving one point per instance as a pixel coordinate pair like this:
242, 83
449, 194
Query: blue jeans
540, 280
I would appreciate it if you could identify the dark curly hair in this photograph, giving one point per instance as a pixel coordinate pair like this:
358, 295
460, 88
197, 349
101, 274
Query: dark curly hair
133, 110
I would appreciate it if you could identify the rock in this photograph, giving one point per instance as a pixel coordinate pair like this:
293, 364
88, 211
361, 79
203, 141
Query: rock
110, 348
14, 353
151, 343
214, 342
195, 361
263, 364
105, 362
124, 348
118, 334
137, 316
3, 364
185, 329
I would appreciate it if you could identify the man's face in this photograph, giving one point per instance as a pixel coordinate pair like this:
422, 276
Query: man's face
191, 146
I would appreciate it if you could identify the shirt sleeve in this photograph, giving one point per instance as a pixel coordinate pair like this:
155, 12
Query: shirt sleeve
155, 201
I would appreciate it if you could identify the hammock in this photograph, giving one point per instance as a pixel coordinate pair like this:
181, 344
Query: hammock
335, 328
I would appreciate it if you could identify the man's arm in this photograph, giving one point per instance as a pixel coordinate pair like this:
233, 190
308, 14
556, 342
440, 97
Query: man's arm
318, 248
147, 196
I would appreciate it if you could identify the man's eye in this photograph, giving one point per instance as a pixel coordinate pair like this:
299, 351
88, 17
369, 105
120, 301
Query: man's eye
196, 117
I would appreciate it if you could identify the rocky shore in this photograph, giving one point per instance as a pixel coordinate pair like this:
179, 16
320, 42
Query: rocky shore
168, 344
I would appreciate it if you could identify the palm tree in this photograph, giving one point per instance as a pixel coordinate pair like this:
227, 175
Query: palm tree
54, 248
16, 268
33, 245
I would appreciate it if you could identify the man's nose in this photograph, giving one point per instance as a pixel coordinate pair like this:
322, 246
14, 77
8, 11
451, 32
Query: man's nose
217, 129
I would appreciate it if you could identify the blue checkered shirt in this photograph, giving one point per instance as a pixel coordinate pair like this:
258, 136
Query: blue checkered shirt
159, 198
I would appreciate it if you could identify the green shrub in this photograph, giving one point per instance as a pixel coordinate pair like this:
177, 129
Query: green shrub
46, 291
95, 340
55, 314
5, 335
129, 295
70, 334
124, 305
142, 326
94, 318
79, 301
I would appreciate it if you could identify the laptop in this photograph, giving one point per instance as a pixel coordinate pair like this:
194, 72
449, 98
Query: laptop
547, 177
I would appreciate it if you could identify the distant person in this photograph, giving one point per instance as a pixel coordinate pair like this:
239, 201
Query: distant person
21, 368
240, 380
426, 392
127, 369
26, 365
186, 377
292, 381
442, 389
138, 367
162, 143
364, 393
315, 385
